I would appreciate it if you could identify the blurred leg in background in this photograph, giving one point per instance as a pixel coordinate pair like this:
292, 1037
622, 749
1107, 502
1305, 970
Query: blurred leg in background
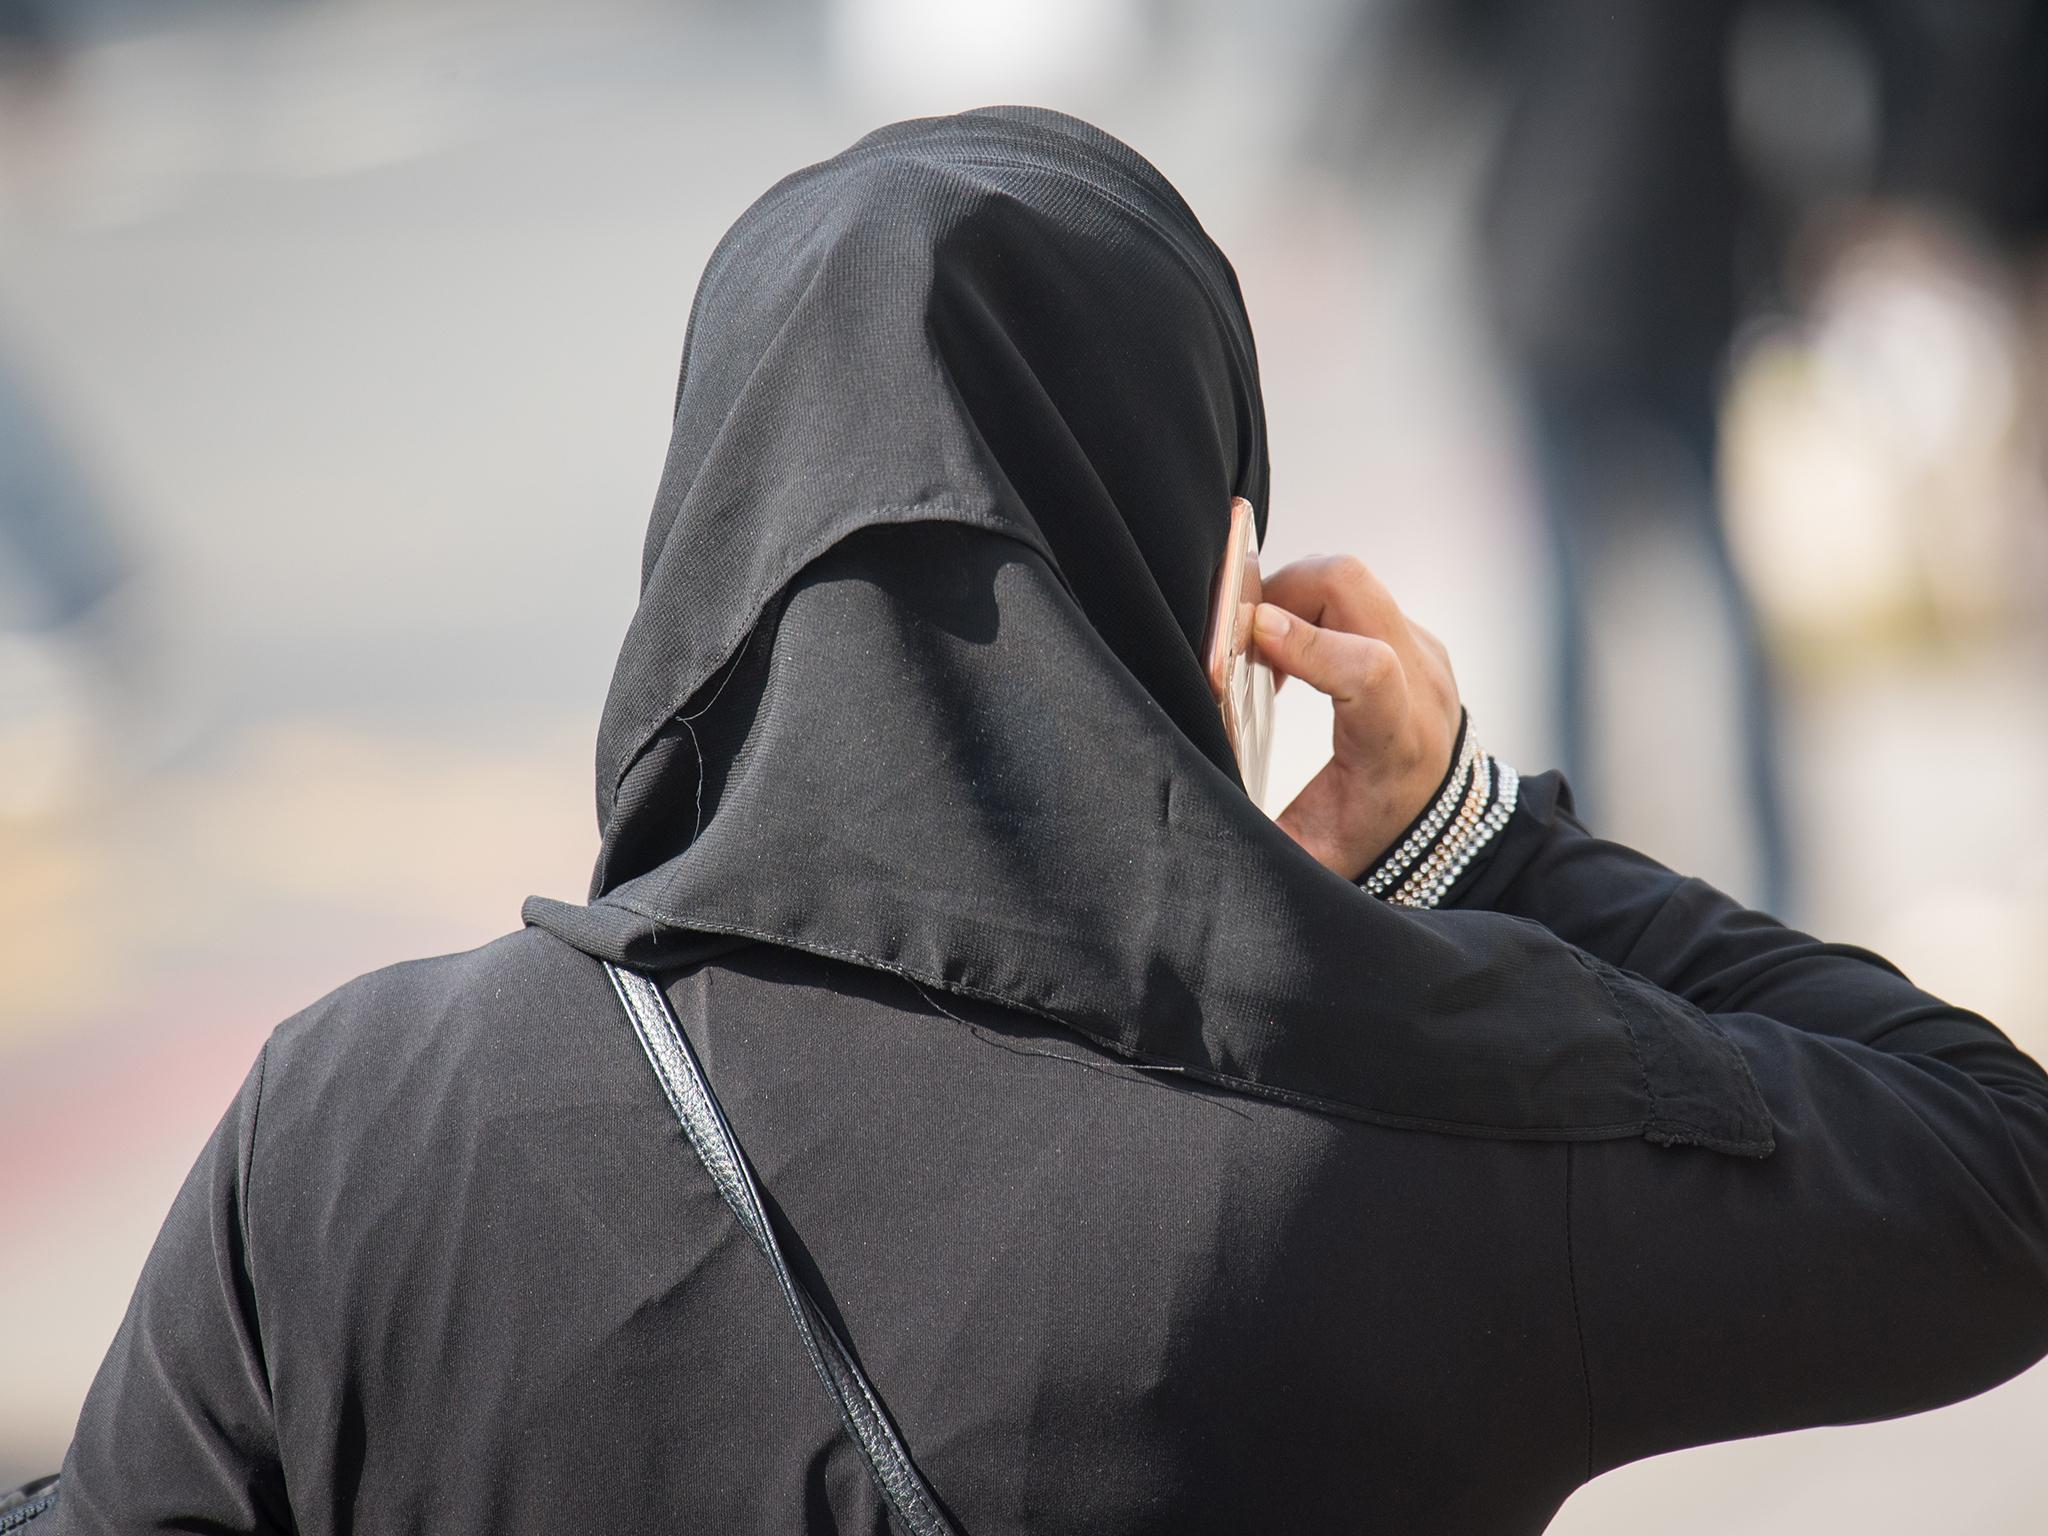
1612, 230
1608, 454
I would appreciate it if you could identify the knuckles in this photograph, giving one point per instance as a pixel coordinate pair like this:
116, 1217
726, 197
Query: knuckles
1349, 573
1377, 664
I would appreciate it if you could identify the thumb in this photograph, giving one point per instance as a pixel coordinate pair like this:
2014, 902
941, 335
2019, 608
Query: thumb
1361, 673
1356, 671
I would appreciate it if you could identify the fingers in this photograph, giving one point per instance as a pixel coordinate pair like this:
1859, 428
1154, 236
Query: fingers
1330, 621
1361, 673
1338, 592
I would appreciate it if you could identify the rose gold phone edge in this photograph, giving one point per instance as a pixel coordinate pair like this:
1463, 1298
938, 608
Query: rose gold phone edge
1237, 592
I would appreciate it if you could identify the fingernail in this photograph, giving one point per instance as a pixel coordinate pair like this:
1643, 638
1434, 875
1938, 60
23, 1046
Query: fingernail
1271, 623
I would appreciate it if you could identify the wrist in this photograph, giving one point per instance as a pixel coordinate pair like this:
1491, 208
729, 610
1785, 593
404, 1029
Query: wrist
1469, 809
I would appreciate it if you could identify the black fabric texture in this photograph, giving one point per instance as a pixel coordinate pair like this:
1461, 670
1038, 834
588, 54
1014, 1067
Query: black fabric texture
914, 677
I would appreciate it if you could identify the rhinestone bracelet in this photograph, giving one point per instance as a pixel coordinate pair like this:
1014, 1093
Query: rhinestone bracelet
1478, 798
1454, 855
1470, 810
1391, 869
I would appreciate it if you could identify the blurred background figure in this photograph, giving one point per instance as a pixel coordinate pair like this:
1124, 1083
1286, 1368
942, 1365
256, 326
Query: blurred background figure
1664, 178
64, 660
1611, 228
1679, 361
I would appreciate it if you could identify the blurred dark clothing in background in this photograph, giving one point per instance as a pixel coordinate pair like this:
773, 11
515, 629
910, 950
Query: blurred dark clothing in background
1657, 161
1612, 201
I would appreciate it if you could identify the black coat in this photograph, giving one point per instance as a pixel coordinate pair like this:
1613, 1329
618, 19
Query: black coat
448, 1267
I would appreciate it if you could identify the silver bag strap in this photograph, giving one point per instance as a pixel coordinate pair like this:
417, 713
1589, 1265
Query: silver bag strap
902, 1487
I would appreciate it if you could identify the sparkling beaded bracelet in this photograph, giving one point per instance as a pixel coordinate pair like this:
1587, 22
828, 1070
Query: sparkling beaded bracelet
1392, 868
1471, 809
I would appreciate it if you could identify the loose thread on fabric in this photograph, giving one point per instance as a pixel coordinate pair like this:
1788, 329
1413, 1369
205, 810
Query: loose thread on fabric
696, 744
989, 1036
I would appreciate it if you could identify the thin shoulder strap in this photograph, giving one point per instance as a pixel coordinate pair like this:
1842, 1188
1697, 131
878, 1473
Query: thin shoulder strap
903, 1489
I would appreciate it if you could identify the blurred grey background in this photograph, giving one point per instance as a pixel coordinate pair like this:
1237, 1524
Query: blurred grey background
1682, 366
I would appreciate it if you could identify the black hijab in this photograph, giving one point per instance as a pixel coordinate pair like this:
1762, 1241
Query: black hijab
913, 681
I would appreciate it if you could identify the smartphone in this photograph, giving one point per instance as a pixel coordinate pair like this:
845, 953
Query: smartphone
1242, 684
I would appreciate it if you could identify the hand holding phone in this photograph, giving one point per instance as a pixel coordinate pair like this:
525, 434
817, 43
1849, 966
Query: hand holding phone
1330, 622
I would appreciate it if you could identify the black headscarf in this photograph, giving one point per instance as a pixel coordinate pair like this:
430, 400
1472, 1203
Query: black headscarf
914, 683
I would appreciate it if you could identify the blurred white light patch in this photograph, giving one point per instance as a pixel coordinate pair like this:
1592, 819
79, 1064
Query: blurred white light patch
982, 50
1878, 470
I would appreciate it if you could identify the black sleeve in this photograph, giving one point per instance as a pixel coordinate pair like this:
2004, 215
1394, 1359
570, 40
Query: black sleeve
177, 1432
1890, 1256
